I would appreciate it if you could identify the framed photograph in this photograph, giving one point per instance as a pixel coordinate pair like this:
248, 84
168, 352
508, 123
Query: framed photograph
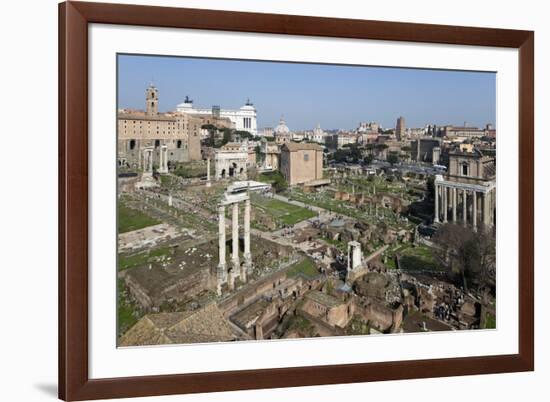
261, 200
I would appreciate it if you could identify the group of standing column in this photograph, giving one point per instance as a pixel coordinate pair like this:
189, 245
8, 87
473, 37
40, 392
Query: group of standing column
446, 201
225, 275
148, 159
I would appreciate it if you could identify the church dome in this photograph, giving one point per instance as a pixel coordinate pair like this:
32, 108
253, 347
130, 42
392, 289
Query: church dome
318, 130
282, 128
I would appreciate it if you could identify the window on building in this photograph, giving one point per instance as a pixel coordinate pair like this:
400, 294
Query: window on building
132, 144
306, 157
157, 143
179, 144
464, 169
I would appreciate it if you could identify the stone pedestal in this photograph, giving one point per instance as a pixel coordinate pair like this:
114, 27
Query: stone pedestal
354, 255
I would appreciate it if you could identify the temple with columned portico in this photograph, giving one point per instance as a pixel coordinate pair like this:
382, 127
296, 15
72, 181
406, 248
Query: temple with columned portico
227, 273
467, 193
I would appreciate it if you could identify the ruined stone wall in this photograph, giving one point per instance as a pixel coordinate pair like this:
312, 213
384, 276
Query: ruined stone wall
138, 293
127, 184
378, 316
339, 316
251, 292
186, 288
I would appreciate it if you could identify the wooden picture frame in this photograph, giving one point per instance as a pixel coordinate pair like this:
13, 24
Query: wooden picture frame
74, 381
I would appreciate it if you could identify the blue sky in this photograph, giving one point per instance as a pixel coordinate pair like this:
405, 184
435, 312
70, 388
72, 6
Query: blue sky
306, 94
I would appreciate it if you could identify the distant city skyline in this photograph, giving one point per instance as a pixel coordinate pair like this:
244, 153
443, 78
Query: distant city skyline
335, 96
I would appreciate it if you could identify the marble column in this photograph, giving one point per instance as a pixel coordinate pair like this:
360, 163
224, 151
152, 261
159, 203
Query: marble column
247, 254
454, 203
464, 208
445, 205
163, 163
222, 271
150, 161
436, 198
486, 211
208, 184
474, 213
235, 237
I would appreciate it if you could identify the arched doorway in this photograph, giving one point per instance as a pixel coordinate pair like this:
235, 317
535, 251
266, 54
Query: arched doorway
232, 169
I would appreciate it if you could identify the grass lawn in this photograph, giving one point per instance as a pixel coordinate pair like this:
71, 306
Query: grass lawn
305, 267
287, 213
418, 258
340, 245
133, 260
390, 263
130, 219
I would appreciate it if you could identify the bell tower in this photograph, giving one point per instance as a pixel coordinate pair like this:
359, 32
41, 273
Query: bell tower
152, 100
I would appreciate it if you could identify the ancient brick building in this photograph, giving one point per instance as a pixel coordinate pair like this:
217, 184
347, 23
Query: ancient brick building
139, 130
301, 163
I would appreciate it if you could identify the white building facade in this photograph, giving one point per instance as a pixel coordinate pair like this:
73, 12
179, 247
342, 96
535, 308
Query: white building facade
318, 135
243, 118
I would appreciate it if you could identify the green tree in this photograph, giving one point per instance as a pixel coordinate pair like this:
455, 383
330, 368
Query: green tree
226, 136
244, 135
393, 158
259, 154
340, 155
430, 187
355, 153
368, 159
280, 185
